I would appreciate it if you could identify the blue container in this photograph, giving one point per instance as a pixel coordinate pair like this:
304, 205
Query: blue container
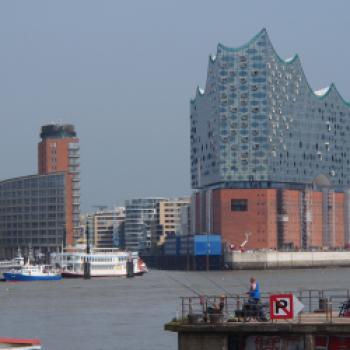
207, 245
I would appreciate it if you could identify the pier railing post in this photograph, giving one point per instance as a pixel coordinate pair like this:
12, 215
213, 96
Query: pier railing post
310, 304
328, 310
301, 299
182, 308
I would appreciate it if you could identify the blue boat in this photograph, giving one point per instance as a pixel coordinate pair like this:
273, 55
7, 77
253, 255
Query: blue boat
33, 273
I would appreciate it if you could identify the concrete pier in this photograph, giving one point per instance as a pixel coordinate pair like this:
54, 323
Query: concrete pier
282, 260
323, 323
315, 334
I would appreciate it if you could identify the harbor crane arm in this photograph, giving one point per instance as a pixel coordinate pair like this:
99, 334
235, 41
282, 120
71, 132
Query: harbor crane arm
243, 244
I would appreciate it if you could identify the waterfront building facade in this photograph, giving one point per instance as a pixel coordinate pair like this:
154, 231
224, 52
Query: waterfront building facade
42, 211
167, 221
140, 214
185, 226
170, 215
106, 227
284, 219
269, 156
59, 151
33, 214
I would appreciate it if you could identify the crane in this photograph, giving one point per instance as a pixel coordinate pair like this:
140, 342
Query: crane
241, 247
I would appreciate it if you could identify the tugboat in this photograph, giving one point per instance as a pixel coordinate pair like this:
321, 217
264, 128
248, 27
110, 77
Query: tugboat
25, 344
30, 272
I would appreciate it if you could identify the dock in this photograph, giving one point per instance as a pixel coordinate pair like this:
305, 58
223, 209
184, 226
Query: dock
313, 329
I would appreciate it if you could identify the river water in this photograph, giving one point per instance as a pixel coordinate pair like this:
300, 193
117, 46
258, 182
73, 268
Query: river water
129, 314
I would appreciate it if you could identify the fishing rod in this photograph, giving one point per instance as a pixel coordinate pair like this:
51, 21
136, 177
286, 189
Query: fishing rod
217, 285
185, 286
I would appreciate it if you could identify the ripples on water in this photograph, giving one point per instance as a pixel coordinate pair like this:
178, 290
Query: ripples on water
129, 314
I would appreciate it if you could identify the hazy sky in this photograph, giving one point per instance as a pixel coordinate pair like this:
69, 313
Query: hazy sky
124, 71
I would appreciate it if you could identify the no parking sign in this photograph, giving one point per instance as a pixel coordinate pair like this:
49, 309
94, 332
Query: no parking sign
284, 306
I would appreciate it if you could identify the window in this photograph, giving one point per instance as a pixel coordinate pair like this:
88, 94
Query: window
239, 204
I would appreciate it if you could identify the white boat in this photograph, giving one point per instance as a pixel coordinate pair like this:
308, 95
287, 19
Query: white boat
103, 262
13, 264
30, 272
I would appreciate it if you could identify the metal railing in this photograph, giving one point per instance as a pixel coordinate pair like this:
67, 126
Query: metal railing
320, 306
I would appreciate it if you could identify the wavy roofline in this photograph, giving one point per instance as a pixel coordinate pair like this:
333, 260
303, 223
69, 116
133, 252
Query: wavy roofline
212, 58
292, 60
247, 44
296, 59
199, 92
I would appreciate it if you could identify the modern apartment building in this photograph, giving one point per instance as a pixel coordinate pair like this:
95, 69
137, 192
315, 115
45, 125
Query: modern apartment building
269, 155
185, 224
33, 214
106, 227
59, 151
42, 211
140, 214
168, 219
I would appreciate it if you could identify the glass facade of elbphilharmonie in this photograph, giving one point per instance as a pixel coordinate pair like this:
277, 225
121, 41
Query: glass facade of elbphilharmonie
258, 120
269, 156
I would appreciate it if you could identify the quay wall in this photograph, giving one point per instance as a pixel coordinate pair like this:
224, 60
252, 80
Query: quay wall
193, 341
275, 259
260, 336
250, 260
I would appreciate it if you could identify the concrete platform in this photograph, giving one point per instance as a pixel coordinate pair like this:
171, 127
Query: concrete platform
282, 260
304, 333
307, 323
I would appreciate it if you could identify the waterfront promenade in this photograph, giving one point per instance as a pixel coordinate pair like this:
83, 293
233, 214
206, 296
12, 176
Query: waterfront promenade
319, 325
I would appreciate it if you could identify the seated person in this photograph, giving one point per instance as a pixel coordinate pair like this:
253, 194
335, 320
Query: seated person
218, 308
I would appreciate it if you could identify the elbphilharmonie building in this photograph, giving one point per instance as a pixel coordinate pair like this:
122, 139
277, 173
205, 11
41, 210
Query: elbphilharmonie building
268, 154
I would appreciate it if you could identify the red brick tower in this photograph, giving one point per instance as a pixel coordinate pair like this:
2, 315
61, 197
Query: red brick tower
58, 151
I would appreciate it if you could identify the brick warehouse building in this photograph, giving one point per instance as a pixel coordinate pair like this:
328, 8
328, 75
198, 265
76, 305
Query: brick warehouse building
269, 156
284, 219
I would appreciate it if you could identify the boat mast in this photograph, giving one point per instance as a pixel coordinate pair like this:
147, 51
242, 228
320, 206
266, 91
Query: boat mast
87, 264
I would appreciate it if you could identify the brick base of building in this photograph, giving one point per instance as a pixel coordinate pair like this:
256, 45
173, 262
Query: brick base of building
274, 218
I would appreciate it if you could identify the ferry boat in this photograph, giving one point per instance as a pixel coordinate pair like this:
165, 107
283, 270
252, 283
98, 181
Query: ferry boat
15, 263
19, 344
30, 272
103, 262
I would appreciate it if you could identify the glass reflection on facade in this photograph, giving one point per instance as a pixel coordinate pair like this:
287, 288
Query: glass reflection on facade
258, 123
32, 214
139, 216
